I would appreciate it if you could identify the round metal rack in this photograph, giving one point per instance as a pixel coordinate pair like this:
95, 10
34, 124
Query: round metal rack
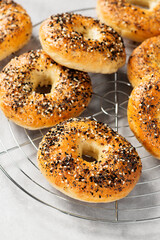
18, 150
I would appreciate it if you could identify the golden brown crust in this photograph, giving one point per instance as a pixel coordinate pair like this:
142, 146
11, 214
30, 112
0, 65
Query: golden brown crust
82, 43
144, 61
144, 115
15, 27
131, 21
112, 176
70, 93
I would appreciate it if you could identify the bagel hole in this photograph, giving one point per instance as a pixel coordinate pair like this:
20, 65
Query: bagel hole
88, 158
43, 84
91, 34
89, 153
43, 89
139, 3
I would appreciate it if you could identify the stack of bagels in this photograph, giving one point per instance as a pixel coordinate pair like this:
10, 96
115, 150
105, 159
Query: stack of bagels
49, 87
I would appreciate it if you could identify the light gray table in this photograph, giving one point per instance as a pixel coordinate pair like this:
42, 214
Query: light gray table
21, 217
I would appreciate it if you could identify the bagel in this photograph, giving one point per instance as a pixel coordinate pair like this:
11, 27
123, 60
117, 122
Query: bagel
21, 101
15, 27
111, 176
129, 20
144, 61
82, 43
144, 114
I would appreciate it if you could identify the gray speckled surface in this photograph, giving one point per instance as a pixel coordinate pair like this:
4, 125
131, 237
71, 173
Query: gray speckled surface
21, 217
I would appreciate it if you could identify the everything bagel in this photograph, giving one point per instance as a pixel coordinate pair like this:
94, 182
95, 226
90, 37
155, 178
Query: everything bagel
131, 21
15, 27
144, 114
69, 94
113, 174
82, 43
144, 61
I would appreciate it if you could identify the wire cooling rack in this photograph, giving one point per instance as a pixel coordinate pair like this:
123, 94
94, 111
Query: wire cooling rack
18, 150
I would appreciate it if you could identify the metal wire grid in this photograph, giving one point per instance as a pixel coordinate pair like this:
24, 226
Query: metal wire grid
108, 104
